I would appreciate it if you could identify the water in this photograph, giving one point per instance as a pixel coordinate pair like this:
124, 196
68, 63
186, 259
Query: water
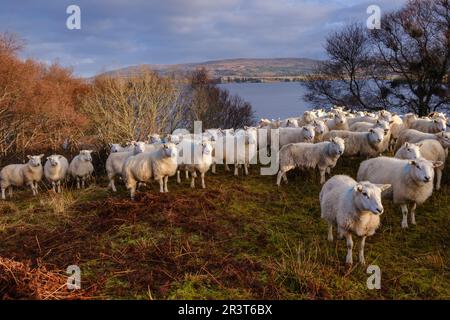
272, 100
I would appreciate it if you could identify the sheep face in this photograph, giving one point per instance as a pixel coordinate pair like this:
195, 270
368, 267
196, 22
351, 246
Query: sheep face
54, 160
338, 146
207, 148
154, 138
383, 124
85, 155
340, 118
376, 136
385, 115
367, 197
114, 147
139, 147
308, 133
422, 171
308, 116
440, 124
410, 151
319, 127
35, 161
170, 150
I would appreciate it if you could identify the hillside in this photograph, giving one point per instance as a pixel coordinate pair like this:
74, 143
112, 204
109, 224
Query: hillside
232, 69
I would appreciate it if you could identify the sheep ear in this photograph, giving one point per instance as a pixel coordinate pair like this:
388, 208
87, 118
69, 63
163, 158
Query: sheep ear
412, 162
359, 187
437, 164
419, 144
383, 187
378, 121
29, 157
406, 144
371, 130
41, 155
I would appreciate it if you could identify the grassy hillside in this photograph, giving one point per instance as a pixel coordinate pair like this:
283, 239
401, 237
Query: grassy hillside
240, 238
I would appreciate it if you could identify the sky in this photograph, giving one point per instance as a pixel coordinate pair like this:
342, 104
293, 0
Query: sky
120, 33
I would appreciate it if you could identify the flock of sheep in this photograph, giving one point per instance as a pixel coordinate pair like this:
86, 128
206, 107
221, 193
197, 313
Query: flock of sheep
317, 139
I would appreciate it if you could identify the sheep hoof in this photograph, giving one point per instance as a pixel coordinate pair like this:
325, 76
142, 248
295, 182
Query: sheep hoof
404, 225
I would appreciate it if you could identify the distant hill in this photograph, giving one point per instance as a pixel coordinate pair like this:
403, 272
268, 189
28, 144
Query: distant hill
233, 69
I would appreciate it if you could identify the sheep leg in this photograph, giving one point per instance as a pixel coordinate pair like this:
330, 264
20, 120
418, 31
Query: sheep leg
58, 184
178, 176
438, 178
404, 208
112, 185
280, 174
187, 174
213, 168
322, 175
166, 178
330, 232
78, 183
53, 186
10, 191
161, 185
202, 175
32, 188
83, 182
361, 251
413, 213
349, 257
35, 184
246, 169
192, 181
227, 168
3, 193
236, 169
328, 170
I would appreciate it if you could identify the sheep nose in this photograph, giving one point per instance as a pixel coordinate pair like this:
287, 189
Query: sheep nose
427, 179
380, 210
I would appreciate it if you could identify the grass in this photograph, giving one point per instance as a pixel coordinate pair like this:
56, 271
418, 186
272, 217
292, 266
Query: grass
240, 238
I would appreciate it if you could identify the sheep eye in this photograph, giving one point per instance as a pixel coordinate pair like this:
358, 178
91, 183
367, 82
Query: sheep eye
365, 194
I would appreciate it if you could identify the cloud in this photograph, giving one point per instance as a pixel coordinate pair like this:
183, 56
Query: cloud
118, 33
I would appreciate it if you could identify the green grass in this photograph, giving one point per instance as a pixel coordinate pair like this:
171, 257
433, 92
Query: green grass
241, 238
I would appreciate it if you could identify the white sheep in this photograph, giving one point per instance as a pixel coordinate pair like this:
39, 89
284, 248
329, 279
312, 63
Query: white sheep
411, 180
289, 123
428, 149
365, 144
307, 118
353, 208
320, 129
200, 160
396, 128
338, 122
114, 165
414, 136
55, 170
295, 135
428, 125
158, 165
81, 168
322, 155
18, 175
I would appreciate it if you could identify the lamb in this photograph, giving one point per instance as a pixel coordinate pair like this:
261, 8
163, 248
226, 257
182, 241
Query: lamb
366, 144
295, 135
320, 129
411, 180
428, 149
353, 208
81, 168
19, 175
428, 125
323, 155
200, 160
158, 164
338, 122
414, 136
55, 170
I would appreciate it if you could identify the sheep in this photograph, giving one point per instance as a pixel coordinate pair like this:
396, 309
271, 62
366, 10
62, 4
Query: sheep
365, 118
18, 175
295, 135
428, 149
158, 164
411, 180
338, 122
115, 147
289, 123
414, 136
428, 125
322, 155
307, 118
365, 126
353, 208
200, 160
320, 129
396, 128
81, 168
366, 144
55, 170
154, 138
114, 165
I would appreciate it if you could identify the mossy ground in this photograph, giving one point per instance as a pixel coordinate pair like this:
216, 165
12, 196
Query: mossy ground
241, 238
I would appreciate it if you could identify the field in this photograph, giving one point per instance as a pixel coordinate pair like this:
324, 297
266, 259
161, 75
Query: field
241, 238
